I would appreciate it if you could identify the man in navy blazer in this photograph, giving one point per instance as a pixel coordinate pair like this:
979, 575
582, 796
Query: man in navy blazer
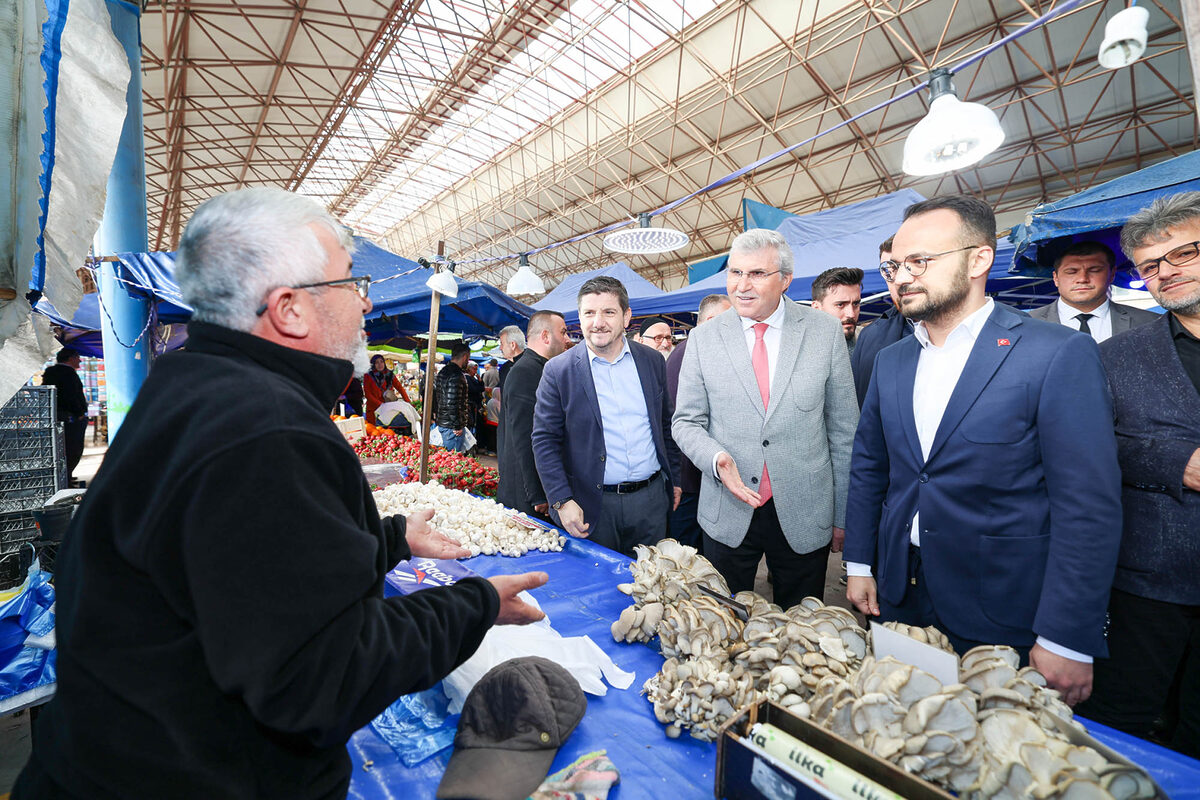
890, 328
1154, 373
984, 487
602, 429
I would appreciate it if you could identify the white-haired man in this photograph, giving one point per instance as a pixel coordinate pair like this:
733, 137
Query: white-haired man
512, 347
766, 409
222, 629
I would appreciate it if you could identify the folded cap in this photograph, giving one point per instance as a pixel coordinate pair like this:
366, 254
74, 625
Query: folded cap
513, 722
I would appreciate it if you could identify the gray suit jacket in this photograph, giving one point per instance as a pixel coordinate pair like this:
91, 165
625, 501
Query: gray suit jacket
1123, 317
805, 436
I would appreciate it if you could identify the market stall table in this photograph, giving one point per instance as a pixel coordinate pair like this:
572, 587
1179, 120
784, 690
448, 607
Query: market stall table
581, 598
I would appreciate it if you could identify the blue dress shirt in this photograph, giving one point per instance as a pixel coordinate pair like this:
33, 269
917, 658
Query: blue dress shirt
628, 440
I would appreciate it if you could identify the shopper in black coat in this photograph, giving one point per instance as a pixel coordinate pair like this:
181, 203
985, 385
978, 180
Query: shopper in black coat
71, 402
520, 487
222, 628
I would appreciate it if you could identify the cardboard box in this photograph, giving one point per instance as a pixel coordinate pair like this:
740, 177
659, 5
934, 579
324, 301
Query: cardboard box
353, 429
743, 774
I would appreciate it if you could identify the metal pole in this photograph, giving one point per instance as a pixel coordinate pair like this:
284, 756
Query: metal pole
125, 317
427, 409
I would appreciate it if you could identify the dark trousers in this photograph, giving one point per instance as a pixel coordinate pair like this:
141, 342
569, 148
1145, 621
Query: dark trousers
794, 576
917, 609
631, 519
684, 526
73, 435
1151, 645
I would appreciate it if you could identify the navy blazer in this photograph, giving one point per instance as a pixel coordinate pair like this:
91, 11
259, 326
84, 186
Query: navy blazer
890, 328
1158, 429
1019, 498
568, 441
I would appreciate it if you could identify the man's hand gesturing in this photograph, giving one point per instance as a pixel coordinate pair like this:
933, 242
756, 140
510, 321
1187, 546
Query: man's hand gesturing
514, 610
732, 480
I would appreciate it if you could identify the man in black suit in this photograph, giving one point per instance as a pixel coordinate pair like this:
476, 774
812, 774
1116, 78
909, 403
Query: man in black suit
1083, 274
1154, 375
890, 328
520, 487
72, 404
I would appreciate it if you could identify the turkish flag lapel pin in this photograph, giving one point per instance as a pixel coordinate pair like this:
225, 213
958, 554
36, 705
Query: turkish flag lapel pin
1003, 343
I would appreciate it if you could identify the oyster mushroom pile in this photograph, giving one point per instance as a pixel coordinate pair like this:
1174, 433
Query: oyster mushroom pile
782, 653
480, 525
699, 694
669, 571
992, 673
906, 716
929, 635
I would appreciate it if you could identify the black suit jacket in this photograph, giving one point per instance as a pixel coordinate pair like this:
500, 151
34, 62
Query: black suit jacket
520, 487
888, 329
1157, 412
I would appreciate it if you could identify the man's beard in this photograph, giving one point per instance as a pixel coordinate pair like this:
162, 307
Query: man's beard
1188, 305
351, 347
939, 307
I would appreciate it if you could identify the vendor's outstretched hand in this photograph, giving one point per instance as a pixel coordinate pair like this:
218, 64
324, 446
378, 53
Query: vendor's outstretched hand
426, 541
1073, 679
514, 610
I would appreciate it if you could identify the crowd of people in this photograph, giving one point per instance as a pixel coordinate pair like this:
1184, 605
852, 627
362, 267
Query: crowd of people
1008, 479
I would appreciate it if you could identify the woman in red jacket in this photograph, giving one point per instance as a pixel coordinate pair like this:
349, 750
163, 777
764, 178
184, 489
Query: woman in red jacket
376, 383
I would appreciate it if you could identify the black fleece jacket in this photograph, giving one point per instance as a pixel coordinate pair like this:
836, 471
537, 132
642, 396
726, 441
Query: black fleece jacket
222, 629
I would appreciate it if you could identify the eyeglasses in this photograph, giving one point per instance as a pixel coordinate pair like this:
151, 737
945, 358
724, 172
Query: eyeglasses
664, 337
755, 275
1179, 257
916, 265
361, 284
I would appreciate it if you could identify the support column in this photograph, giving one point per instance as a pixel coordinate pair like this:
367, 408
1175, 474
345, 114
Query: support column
125, 316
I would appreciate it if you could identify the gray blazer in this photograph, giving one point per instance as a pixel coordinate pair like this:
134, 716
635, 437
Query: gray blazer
805, 436
1123, 317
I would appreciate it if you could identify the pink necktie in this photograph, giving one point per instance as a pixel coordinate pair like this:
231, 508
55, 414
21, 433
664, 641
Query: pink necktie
758, 359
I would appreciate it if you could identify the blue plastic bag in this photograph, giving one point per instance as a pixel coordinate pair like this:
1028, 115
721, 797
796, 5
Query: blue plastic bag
418, 725
30, 613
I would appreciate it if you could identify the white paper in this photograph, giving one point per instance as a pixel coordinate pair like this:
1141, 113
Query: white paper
938, 663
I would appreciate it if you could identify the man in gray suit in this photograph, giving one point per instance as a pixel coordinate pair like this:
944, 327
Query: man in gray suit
1083, 274
766, 409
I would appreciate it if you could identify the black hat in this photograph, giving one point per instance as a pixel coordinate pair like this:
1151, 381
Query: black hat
650, 322
512, 724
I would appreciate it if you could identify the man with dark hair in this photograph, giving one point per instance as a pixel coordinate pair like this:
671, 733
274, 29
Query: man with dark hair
683, 524
520, 487
1084, 273
602, 429
980, 437
890, 328
450, 399
71, 402
838, 292
1154, 376
474, 397
766, 411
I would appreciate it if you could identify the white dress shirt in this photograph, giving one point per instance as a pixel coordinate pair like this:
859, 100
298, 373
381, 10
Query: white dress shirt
938, 371
772, 336
1100, 324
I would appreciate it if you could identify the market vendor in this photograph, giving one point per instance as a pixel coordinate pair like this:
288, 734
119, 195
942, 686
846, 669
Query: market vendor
377, 383
221, 624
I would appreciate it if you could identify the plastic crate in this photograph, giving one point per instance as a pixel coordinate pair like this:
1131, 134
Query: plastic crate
26, 490
26, 449
30, 407
19, 526
14, 565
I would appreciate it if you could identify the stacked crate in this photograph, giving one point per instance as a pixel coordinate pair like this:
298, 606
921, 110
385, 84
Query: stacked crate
31, 455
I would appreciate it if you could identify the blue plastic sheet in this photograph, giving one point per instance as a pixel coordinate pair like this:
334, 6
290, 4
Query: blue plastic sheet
30, 613
582, 599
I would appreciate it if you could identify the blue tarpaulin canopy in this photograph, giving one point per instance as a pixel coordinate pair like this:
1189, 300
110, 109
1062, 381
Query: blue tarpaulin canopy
564, 297
398, 292
1097, 214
